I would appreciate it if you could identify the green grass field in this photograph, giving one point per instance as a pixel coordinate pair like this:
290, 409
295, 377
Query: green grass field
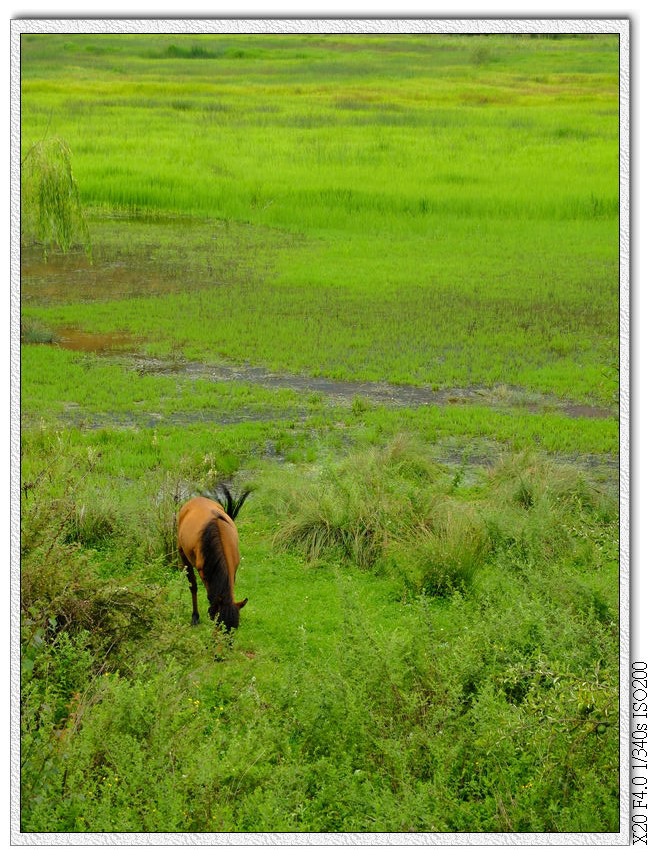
436, 210
431, 641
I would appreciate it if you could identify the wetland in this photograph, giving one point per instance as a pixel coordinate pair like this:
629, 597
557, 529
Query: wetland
375, 281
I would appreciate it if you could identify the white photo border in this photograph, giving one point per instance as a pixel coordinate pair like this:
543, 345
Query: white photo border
323, 25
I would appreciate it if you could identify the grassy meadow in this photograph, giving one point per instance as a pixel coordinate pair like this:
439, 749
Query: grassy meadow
431, 640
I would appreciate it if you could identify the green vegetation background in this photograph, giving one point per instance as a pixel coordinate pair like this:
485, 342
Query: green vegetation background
431, 642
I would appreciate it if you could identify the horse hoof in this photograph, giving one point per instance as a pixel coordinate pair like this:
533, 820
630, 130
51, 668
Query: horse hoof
195, 620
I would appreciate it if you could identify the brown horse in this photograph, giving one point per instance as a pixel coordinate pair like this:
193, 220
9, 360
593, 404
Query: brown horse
208, 541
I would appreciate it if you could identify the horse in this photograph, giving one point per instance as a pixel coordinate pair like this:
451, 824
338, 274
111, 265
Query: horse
208, 541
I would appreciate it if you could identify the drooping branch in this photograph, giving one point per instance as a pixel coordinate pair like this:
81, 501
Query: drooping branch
51, 211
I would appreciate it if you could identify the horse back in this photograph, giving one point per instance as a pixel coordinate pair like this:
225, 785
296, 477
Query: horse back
193, 519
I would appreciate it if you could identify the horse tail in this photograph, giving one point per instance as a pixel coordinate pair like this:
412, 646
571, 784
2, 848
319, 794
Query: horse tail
230, 505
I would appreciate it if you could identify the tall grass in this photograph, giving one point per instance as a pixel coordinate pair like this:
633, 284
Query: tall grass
254, 130
396, 509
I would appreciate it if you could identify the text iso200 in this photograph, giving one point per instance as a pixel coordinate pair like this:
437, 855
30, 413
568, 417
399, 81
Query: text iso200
638, 752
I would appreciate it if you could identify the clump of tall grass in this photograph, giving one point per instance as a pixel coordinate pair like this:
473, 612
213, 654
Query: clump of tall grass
529, 480
51, 211
442, 555
35, 332
391, 506
91, 525
538, 509
170, 494
395, 509
60, 535
355, 509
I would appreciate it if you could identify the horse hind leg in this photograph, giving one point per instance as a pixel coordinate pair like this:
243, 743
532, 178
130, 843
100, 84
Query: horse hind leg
191, 577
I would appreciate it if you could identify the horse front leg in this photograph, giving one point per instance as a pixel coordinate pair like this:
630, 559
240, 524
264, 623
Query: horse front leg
191, 577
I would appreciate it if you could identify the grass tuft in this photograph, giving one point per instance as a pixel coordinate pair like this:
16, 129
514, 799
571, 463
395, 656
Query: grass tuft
353, 510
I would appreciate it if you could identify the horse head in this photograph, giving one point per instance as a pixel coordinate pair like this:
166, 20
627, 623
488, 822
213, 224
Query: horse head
225, 613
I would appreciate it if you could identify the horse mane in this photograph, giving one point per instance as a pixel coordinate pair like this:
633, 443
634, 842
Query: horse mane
230, 505
215, 568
